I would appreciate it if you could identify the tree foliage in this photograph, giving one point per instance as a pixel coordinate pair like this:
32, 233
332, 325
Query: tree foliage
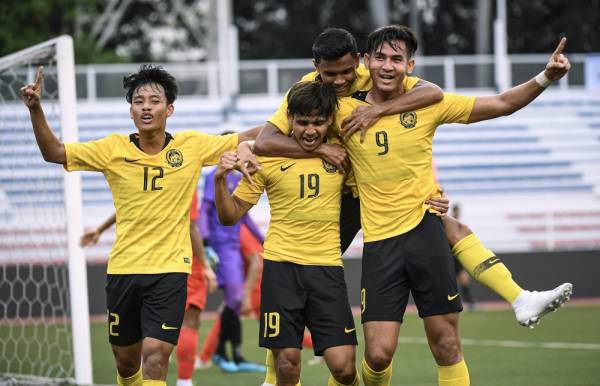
149, 30
25, 23
286, 29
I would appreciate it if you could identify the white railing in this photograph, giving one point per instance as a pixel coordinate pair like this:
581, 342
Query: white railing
273, 77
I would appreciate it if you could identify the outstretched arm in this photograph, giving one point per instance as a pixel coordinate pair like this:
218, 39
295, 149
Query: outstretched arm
423, 94
249, 135
52, 149
272, 142
229, 207
91, 237
520, 96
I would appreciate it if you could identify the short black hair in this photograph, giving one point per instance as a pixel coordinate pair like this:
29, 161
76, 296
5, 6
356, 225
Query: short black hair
310, 98
333, 43
390, 34
150, 73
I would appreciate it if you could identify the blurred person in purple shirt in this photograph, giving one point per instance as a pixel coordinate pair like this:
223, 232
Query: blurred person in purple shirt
225, 241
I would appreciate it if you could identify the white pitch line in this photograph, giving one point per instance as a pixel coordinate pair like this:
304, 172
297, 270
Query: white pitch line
512, 344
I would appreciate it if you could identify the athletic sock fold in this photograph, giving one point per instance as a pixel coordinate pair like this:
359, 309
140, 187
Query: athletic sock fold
454, 375
376, 378
134, 380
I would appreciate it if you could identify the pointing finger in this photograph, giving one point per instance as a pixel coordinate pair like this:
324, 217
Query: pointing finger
560, 47
39, 77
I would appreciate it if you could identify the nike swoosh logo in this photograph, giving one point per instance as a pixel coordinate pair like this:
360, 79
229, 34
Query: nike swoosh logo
494, 261
451, 298
165, 327
284, 168
349, 330
131, 160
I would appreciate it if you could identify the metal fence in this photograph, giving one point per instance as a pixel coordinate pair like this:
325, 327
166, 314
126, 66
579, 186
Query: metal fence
274, 77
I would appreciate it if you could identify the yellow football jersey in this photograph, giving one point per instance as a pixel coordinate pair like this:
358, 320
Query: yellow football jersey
304, 195
362, 83
152, 195
393, 167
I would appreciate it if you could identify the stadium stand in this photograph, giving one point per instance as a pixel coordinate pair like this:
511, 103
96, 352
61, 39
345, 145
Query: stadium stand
544, 158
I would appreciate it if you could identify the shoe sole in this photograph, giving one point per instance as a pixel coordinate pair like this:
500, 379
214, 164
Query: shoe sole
553, 306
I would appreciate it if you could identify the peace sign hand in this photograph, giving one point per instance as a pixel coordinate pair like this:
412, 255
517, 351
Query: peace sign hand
558, 64
31, 92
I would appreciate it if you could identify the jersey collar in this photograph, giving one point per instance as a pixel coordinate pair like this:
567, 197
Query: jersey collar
135, 139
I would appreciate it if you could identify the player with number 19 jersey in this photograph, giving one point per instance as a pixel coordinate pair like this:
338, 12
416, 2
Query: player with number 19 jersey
304, 196
152, 195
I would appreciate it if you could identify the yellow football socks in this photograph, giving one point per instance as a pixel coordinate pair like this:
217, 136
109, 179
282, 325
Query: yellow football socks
154, 382
270, 376
454, 375
485, 267
332, 382
134, 380
376, 378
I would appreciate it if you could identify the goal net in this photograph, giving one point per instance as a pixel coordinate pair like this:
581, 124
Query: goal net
44, 321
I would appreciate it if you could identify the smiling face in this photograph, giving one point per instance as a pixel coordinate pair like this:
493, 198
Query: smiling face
309, 130
149, 108
340, 73
388, 65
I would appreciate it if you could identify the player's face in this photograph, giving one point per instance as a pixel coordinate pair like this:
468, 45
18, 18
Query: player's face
309, 130
340, 73
149, 108
388, 66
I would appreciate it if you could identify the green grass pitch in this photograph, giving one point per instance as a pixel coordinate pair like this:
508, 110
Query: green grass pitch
563, 351
498, 352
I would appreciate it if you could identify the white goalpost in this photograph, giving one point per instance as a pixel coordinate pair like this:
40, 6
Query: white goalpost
44, 327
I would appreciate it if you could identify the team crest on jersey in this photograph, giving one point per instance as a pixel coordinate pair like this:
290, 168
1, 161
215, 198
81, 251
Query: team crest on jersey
408, 120
329, 168
174, 158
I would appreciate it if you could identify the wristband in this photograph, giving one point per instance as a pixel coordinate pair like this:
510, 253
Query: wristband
542, 80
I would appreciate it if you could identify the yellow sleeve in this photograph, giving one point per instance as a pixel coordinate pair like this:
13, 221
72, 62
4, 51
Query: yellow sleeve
363, 80
410, 82
310, 76
279, 117
251, 192
350, 184
90, 156
212, 146
455, 108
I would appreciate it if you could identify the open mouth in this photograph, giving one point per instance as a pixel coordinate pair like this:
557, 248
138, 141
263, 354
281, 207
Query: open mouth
310, 141
386, 77
147, 118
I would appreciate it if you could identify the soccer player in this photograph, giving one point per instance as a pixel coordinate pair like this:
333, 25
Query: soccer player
406, 249
152, 176
303, 281
336, 61
303, 278
199, 282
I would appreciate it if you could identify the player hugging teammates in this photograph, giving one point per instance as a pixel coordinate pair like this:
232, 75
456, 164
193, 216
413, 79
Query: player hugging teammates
324, 183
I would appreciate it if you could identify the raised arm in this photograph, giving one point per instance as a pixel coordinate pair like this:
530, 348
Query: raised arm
229, 208
423, 94
272, 142
520, 96
52, 149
